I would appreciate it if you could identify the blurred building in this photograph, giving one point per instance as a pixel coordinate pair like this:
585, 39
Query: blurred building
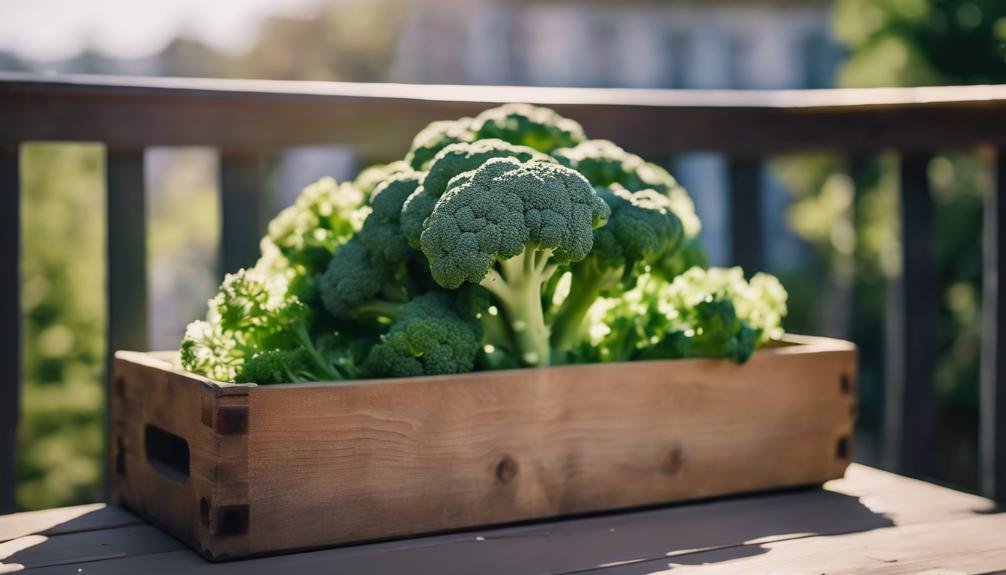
634, 44
639, 44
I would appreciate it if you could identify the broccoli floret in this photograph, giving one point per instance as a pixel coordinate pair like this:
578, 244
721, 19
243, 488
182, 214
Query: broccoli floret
430, 338
302, 237
436, 137
382, 232
450, 162
508, 227
252, 313
702, 313
370, 276
641, 229
603, 163
371, 177
526, 125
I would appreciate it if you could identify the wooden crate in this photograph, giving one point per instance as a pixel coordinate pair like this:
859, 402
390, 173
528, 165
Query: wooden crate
237, 470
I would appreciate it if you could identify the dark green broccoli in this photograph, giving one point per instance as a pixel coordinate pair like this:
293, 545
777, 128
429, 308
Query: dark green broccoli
371, 276
526, 125
430, 337
604, 163
450, 162
642, 228
435, 137
508, 227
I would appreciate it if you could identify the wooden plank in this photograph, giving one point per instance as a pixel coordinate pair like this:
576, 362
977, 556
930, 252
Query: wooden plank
745, 214
63, 520
126, 224
262, 473
241, 208
961, 546
911, 328
992, 434
864, 501
10, 319
257, 115
85, 547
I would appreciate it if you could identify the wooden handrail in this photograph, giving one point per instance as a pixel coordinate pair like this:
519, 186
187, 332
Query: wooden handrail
380, 119
250, 119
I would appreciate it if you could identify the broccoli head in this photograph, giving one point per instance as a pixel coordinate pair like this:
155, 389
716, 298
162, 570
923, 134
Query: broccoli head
430, 337
527, 125
450, 162
370, 276
507, 227
435, 137
604, 163
382, 232
642, 228
702, 313
303, 236
252, 313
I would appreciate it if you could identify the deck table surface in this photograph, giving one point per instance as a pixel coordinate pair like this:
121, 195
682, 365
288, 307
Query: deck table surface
868, 522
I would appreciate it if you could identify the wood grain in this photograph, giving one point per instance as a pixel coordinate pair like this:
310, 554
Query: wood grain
865, 501
252, 115
311, 465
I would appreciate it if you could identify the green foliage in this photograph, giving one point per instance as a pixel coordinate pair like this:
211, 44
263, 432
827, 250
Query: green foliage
60, 433
516, 246
702, 313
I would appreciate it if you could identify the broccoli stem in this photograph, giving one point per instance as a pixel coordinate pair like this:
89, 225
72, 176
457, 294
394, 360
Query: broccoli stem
517, 285
379, 308
588, 283
327, 370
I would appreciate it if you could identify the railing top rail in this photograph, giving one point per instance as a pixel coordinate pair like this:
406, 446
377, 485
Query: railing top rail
746, 99
256, 114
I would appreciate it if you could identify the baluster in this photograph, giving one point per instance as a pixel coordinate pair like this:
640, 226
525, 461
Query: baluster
10, 319
241, 209
910, 330
992, 431
127, 259
745, 213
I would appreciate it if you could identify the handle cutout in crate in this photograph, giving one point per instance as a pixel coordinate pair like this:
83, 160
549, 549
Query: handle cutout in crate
167, 453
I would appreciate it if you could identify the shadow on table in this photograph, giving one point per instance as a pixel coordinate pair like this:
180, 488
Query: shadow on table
630, 543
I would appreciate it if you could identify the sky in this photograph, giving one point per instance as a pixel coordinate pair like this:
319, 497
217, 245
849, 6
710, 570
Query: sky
56, 29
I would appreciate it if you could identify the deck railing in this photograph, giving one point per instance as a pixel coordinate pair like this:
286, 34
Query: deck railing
250, 120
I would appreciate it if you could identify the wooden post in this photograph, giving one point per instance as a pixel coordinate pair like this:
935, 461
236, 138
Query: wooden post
241, 207
911, 328
992, 430
745, 213
10, 319
127, 260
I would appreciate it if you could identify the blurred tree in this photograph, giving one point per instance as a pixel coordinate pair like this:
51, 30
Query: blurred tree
59, 461
910, 43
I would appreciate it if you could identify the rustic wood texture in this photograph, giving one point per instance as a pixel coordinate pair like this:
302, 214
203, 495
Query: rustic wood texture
869, 521
145, 392
271, 466
254, 115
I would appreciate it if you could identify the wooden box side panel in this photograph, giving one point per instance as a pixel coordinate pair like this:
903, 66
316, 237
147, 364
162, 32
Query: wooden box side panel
206, 503
337, 464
